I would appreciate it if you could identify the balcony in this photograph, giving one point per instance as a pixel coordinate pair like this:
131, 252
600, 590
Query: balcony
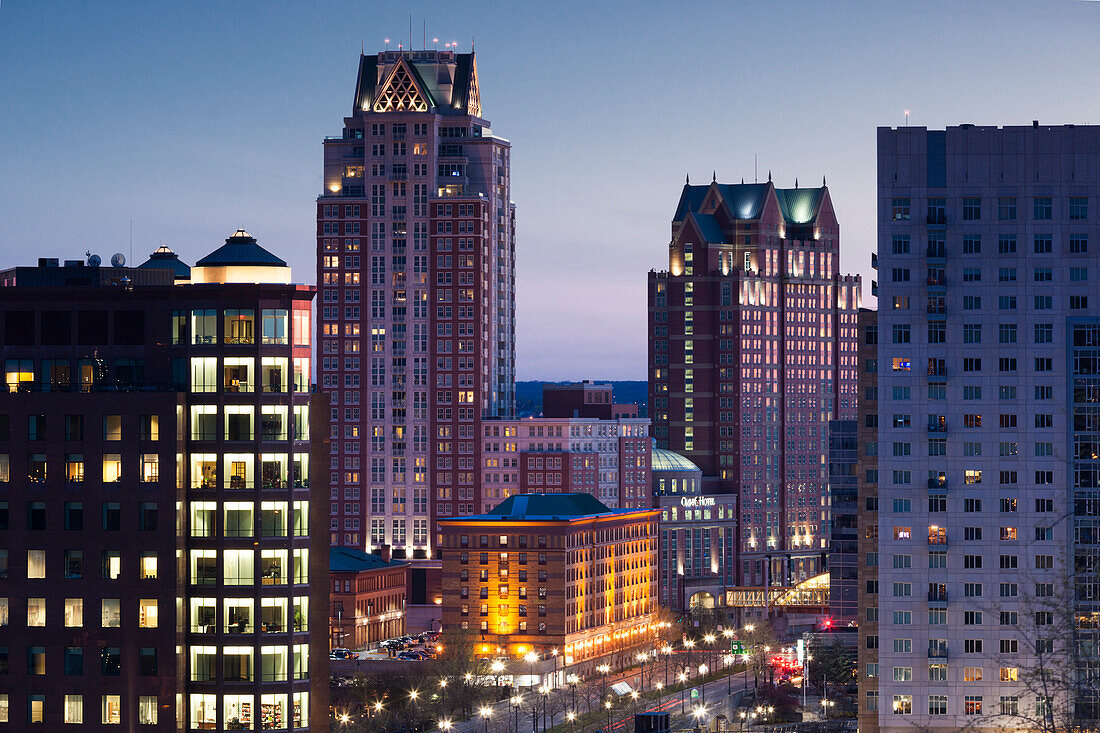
937, 653
937, 537
938, 426
937, 484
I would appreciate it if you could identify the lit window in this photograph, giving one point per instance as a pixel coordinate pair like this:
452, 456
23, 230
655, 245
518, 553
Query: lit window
74, 612
111, 710
147, 710
110, 617
147, 570
239, 567
74, 709
36, 612
147, 613
36, 563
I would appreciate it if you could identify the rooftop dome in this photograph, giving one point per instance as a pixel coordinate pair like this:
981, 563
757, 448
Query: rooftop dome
165, 259
241, 249
666, 460
240, 260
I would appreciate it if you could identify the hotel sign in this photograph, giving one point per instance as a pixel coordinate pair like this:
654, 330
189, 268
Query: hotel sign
690, 502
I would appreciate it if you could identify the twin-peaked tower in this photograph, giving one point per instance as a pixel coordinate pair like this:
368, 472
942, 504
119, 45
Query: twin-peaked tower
752, 338
416, 253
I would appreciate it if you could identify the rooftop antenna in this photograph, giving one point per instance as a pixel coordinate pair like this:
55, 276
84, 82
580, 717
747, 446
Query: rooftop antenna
410, 31
387, 44
424, 34
131, 238
755, 174
907, 118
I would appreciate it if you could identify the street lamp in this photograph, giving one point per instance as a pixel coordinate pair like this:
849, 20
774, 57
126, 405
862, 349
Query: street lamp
703, 673
642, 657
634, 695
443, 692
607, 705
683, 686
445, 725
344, 718
486, 713
516, 700
573, 679
728, 659
571, 716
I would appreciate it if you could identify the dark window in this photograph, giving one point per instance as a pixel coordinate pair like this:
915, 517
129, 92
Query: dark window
74, 564
74, 427
147, 516
5, 516
4, 667
5, 427
36, 427
147, 661
91, 328
36, 515
110, 661
74, 515
112, 515
19, 328
57, 328
130, 327
74, 660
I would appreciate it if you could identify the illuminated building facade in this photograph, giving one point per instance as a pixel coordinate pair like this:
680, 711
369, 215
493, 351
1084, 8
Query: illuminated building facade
367, 598
608, 459
752, 336
698, 553
552, 573
988, 476
415, 262
159, 572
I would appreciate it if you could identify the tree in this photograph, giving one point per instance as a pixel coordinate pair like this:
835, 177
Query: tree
835, 662
462, 677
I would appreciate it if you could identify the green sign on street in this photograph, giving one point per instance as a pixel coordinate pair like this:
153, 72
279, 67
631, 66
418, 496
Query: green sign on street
694, 692
737, 648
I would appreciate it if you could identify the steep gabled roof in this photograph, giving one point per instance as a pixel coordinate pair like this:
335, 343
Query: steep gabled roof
709, 227
691, 198
403, 90
745, 200
799, 205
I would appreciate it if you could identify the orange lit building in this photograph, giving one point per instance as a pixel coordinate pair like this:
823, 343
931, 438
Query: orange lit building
554, 574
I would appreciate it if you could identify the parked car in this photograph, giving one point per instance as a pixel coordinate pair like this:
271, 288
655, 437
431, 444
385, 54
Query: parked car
341, 653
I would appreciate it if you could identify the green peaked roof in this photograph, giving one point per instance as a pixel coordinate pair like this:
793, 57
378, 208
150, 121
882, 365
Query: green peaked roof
799, 205
349, 560
544, 507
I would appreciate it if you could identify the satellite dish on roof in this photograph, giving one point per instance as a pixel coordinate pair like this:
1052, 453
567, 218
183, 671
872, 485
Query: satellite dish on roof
94, 261
118, 260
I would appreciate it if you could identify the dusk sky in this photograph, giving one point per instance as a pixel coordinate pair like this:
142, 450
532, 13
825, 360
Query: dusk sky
195, 118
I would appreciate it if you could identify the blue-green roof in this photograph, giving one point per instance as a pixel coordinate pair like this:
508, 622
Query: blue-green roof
799, 205
709, 226
241, 249
348, 560
165, 259
745, 200
543, 507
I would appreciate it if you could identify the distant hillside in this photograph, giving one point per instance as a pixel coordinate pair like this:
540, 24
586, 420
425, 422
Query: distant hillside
529, 395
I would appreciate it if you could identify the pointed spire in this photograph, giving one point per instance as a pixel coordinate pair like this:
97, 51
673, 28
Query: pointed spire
713, 176
742, 180
687, 179
796, 182
769, 176
823, 180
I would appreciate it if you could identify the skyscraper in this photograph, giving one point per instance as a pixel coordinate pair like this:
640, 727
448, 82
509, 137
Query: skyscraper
155, 464
987, 467
752, 338
415, 255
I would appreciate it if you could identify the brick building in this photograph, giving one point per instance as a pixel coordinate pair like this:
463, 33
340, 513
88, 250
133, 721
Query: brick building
157, 564
415, 262
608, 459
752, 334
552, 574
367, 597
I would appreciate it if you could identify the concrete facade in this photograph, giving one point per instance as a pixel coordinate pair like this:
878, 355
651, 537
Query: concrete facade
987, 260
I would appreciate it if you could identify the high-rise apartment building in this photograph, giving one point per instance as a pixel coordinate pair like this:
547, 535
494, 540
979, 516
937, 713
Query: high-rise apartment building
867, 521
415, 255
752, 337
157, 568
987, 424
